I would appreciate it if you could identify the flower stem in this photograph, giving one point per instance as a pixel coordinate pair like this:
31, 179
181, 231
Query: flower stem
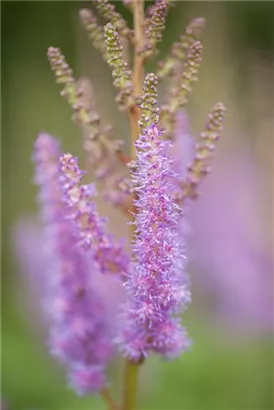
138, 73
131, 381
131, 368
107, 396
138, 68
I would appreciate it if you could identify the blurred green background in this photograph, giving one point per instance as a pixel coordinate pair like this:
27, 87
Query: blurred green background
238, 69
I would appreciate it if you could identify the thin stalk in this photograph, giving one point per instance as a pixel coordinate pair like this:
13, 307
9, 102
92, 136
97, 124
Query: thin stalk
107, 397
131, 381
138, 68
131, 368
138, 72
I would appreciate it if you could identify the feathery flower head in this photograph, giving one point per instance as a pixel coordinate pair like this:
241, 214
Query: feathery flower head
157, 289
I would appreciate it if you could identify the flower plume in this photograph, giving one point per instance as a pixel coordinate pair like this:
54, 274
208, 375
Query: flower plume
156, 286
78, 335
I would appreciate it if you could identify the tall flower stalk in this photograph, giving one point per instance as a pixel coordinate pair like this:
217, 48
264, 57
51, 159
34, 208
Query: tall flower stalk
144, 185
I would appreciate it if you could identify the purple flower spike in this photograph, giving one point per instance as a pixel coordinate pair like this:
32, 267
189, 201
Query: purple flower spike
110, 257
78, 336
157, 287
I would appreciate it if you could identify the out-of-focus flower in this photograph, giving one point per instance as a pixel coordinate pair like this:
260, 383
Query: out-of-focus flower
228, 262
4, 405
225, 247
183, 147
27, 241
79, 335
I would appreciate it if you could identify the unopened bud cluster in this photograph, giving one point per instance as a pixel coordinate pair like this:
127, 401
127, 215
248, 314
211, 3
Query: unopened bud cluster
149, 103
180, 49
94, 29
200, 166
155, 28
108, 12
178, 95
120, 72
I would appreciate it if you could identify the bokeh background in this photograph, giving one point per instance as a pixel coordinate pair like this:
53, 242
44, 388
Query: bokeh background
231, 261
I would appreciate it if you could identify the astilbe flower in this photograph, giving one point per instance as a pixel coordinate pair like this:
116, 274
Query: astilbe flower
79, 248
156, 288
79, 335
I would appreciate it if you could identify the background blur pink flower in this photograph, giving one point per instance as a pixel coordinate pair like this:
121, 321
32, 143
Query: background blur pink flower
231, 258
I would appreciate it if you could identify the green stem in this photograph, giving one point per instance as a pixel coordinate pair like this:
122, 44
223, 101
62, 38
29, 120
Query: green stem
138, 7
107, 397
138, 69
130, 383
